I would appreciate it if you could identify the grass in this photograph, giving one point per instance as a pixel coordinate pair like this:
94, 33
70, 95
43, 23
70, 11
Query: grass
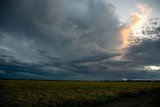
68, 93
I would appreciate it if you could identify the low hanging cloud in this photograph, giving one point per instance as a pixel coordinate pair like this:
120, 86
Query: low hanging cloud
53, 33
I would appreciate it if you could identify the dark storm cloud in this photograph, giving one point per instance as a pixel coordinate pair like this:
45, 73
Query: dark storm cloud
64, 39
53, 32
62, 27
146, 53
13, 68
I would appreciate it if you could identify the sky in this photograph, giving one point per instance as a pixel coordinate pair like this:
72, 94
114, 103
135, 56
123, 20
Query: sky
125, 7
75, 40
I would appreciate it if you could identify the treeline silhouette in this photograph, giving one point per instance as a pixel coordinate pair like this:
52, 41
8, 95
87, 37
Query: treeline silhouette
129, 80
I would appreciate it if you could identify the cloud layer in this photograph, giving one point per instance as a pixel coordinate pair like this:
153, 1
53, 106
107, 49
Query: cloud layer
67, 39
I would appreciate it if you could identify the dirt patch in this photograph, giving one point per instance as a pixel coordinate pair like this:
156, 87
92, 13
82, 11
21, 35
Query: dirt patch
147, 100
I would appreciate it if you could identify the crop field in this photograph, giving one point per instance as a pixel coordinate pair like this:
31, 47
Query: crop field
68, 93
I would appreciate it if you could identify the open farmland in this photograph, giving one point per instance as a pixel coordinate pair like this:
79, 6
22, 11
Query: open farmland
68, 93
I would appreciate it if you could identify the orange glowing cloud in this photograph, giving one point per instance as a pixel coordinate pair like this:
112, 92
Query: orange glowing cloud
136, 22
135, 19
125, 33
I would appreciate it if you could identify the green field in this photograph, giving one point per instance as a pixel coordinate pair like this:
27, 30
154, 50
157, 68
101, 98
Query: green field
68, 93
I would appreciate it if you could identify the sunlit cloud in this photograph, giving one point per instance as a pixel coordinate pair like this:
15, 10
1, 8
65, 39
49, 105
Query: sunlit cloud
152, 68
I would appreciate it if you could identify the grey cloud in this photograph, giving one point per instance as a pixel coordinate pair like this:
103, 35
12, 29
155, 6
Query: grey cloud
145, 53
13, 68
66, 39
67, 29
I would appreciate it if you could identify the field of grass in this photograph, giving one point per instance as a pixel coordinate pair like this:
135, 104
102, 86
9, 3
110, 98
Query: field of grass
68, 93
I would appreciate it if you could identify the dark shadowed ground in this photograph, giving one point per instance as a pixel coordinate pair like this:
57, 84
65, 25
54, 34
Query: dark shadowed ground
147, 100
